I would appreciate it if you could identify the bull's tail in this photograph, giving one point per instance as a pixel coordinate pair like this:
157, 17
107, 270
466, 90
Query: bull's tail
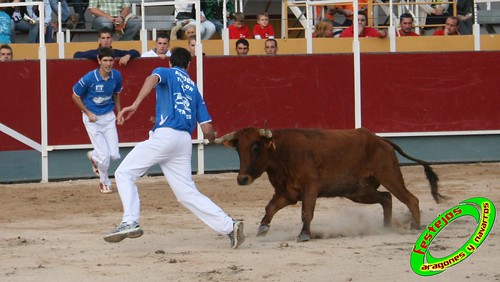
429, 173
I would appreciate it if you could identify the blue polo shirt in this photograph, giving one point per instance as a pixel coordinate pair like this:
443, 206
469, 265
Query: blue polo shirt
97, 93
179, 104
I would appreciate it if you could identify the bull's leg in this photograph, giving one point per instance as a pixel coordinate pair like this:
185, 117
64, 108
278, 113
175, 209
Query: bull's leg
407, 198
308, 205
394, 183
383, 198
275, 204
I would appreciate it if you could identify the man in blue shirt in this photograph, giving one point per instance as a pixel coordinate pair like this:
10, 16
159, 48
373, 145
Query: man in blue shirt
105, 39
179, 106
5, 25
96, 95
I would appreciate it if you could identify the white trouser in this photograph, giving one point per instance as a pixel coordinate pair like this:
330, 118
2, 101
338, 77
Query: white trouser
104, 138
171, 149
207, 28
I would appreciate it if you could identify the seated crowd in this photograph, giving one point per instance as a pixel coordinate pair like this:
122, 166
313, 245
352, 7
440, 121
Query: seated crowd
115, 19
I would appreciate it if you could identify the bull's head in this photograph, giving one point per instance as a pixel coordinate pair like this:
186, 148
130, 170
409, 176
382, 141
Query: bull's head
252, 145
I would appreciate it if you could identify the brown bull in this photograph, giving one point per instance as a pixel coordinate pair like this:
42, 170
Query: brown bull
304, 164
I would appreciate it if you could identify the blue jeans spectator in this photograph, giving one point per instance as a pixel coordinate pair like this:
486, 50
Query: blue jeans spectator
219, 25
33, 32
65, 12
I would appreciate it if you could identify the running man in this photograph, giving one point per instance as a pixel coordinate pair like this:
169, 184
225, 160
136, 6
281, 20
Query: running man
179, 106
96, 95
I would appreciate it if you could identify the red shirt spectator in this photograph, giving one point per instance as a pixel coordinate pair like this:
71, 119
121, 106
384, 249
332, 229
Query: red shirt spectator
401, 33
237, 33
263, 33
364, 31
367, 32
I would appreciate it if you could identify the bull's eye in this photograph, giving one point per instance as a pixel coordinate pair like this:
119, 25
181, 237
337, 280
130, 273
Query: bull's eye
255, 150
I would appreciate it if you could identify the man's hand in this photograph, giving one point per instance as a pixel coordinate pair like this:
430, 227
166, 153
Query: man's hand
124, 60
125, 114
208, 132
361, 28
91, 116
439, 11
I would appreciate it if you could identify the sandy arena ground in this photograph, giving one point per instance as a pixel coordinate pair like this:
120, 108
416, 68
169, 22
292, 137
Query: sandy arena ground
53, 232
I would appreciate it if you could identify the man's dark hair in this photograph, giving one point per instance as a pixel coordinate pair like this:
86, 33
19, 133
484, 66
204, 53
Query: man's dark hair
5, 46
105, 52
361, 13
242, 41
405, 16
273, 40
163, 35
180, 57
104, 30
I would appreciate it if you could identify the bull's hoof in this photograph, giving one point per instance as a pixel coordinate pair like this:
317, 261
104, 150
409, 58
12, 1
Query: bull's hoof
303, 237
263, 230
416, 226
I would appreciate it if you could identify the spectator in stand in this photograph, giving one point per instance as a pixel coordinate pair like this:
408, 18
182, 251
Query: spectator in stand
363, 30
465, 10
115, 15
184, 11
213, 12
323, 29
6, 53
435, 14
191, 45
406, 25
451, 27
79, 6
161, 50
105, 39
190, 31
177, 32
271, 46
5, 25
347, 9
238, 29
325, 13
242, 47
70, 20
26, 20
262, 30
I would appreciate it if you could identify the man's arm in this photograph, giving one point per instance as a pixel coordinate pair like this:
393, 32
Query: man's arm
79, 103
118, 104
125, 12
122, 53
208, 132
99, 13
147, 87
90, 54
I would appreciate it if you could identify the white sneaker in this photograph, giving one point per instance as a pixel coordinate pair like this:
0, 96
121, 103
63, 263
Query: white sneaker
105, 189
236, 236
124, 230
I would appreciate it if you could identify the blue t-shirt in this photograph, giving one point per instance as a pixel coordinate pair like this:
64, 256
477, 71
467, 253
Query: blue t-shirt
5, 25
179, 104
96, 93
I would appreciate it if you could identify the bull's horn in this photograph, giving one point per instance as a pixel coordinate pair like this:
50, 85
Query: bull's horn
227, 137
266, 133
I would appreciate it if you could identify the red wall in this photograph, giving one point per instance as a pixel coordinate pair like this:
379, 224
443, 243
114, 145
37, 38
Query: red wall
431, 91
400, 93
